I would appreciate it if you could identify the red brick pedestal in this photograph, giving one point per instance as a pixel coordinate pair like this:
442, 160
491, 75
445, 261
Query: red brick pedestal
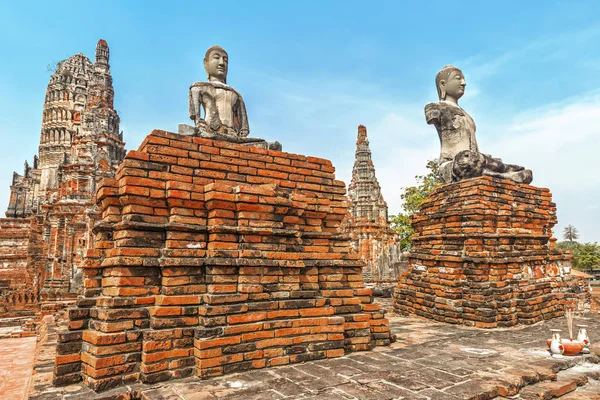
213, 257
483, 255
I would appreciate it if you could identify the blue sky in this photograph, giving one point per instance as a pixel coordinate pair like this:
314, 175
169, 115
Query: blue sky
312, 71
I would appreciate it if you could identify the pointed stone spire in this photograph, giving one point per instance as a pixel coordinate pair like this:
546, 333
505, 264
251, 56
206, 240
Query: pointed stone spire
102, 56
364, 190
368, 213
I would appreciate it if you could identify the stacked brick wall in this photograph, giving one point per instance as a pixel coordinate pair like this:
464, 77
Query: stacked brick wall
483, 255
213, 257
17, 292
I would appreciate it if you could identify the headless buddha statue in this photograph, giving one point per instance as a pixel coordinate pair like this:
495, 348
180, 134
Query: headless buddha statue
460, 157
224, 108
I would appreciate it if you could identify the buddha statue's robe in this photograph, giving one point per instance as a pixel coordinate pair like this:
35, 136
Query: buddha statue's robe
224, 109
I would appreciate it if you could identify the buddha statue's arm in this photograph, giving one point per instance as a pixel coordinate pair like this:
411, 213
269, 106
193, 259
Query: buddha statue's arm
195, 101
243, 117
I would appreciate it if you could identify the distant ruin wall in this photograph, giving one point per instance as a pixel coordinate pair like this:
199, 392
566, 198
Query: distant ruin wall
17, 292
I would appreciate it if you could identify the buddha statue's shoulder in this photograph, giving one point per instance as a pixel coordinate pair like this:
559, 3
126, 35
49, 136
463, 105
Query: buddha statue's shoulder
432, 112
442, 112
202, 85
212, 86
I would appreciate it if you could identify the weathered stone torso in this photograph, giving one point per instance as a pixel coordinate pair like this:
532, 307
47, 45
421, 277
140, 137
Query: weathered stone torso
455, 128
221, 105
222, 99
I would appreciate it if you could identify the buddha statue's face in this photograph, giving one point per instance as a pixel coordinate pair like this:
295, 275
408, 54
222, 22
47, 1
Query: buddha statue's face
454, 87
216, 65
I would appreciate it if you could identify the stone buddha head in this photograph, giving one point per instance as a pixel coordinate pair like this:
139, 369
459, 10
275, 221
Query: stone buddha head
450, 83
216, 64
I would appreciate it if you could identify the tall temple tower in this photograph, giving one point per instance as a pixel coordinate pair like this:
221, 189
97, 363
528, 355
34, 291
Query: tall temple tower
368, 215
79, 125
80, 143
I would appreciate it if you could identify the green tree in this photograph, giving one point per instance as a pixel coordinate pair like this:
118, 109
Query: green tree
567, 245
585, 255
570, 233
412, 198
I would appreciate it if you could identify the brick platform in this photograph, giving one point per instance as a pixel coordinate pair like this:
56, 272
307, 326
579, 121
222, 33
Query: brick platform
483, 255
430, 361
213, 257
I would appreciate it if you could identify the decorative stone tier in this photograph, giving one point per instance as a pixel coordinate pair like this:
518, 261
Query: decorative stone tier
214, 257
483, 255
367, 221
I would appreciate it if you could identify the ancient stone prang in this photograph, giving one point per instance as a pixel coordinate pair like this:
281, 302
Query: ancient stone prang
367, 221
483, 255
213, 257
80, 143
460, 157
78, 104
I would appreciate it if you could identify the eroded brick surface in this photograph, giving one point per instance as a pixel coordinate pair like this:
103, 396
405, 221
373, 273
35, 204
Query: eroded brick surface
18, 291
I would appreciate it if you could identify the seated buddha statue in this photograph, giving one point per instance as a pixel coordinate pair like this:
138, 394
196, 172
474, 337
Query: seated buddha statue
460, 157
224, 108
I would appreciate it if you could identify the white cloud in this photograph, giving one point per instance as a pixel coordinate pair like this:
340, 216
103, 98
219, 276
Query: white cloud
540, 49
560, 143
